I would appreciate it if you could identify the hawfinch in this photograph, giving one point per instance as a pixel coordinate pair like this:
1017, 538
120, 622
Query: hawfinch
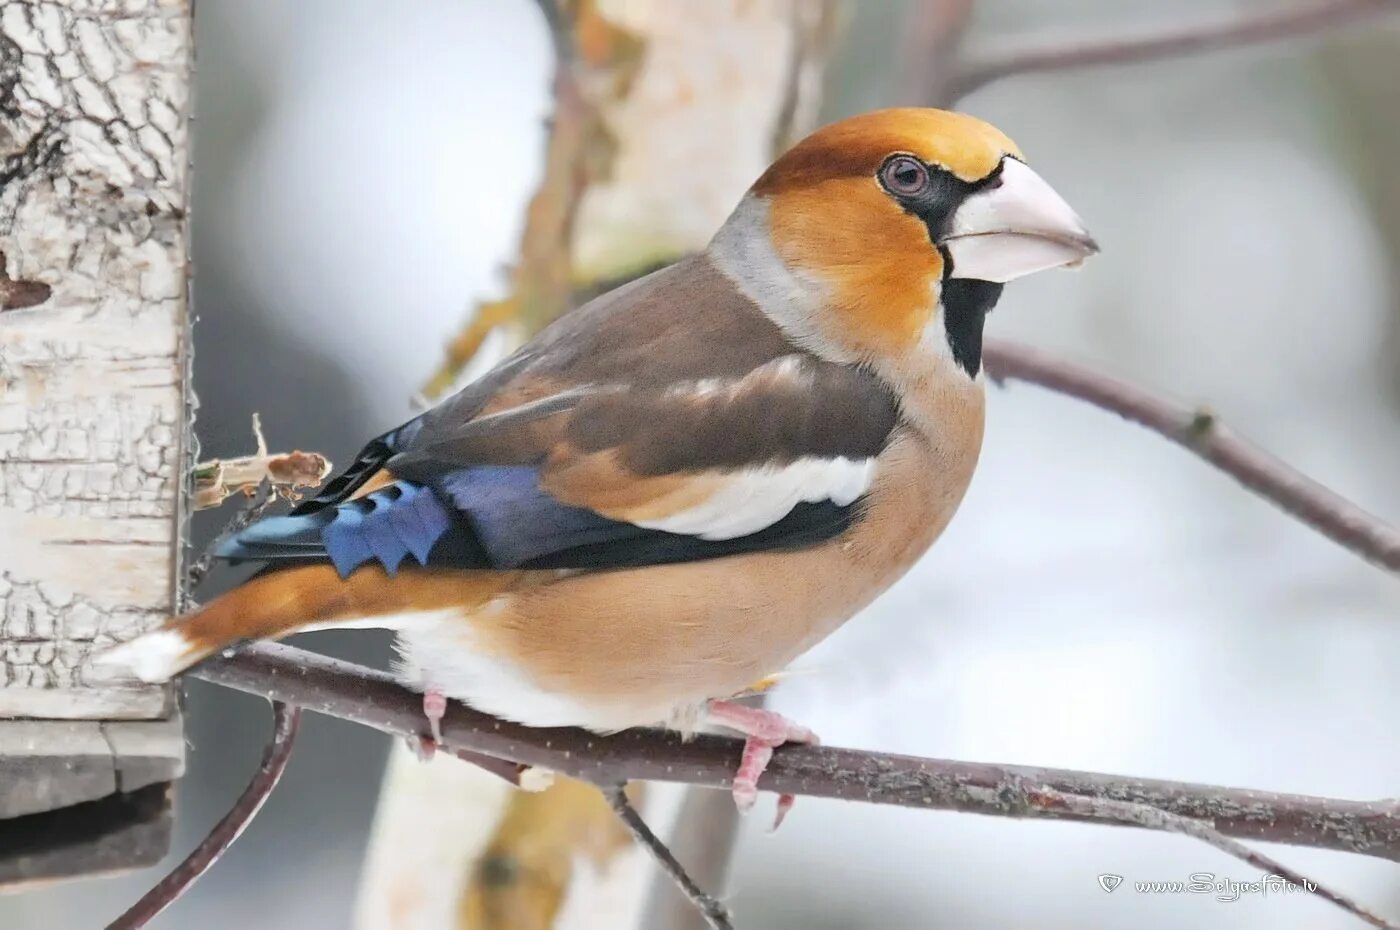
684, 484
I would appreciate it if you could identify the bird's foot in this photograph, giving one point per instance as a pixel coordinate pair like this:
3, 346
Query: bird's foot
764, 731
434, 707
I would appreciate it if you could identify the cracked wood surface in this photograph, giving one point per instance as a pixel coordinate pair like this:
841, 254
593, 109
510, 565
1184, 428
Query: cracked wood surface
93, 149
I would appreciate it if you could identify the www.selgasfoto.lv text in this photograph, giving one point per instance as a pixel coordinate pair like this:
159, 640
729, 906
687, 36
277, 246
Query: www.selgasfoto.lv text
1223, 889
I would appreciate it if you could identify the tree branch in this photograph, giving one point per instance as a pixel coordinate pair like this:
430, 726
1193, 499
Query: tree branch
1200, 432
1152, 818
1207, 812
373, 698
715, 913
702, 836
274, 762
1148, 46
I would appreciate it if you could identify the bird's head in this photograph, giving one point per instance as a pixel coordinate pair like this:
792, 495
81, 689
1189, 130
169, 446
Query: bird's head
870, 231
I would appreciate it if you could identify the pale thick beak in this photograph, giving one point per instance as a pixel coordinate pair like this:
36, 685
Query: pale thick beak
1015, 228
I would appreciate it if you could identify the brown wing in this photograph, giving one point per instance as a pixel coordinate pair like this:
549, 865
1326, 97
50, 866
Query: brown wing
666, 420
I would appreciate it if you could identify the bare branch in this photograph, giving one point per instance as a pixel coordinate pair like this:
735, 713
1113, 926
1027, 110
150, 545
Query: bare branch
1148, 46
274, 763
716, 914
374, 699
1152, 818
702, 836
1199, 431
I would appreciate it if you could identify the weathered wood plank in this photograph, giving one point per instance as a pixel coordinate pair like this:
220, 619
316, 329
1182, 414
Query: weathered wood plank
47, 764
93, 101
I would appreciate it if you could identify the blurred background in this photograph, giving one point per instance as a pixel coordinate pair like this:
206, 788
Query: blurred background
1103, 601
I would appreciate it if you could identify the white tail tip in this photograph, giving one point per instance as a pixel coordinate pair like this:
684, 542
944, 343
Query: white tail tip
152, 657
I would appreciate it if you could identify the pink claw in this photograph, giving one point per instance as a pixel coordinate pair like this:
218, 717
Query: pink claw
785, 803
764, 731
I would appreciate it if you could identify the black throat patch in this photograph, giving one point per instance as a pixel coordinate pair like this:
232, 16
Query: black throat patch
966, 303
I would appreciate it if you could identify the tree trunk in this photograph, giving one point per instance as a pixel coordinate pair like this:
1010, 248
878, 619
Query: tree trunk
93, 418
636, 174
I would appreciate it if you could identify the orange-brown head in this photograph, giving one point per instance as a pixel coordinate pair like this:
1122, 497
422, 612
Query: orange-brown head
868, 228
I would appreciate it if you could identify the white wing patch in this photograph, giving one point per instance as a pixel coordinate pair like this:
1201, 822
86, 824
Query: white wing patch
755, 498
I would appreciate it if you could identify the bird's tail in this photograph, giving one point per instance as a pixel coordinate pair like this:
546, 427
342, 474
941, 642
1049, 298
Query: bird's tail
296, 600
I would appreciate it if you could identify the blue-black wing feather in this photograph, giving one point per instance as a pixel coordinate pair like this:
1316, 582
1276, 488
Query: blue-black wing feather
497, 517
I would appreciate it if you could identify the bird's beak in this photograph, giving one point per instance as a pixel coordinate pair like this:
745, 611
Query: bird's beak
1015, 227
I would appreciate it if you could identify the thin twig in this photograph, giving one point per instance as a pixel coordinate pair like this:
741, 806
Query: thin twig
373, 698
1199, 431
253, 508
716, 914
274, 762
1150, 45
1152, 818
703, 835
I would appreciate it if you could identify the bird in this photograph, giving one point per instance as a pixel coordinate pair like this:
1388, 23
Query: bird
680, 486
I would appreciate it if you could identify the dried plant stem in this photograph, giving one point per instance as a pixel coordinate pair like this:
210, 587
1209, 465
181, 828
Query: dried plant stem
222, 836
288, 472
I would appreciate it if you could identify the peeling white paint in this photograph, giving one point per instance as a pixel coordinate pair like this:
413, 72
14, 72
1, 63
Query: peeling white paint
91, 404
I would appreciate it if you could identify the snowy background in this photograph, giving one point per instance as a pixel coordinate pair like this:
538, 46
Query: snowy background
1103, 601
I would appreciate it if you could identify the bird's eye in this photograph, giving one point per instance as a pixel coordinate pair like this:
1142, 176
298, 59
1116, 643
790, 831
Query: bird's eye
904, 175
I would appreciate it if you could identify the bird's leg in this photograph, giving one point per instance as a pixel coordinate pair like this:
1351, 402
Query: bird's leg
434, 707
764, 731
